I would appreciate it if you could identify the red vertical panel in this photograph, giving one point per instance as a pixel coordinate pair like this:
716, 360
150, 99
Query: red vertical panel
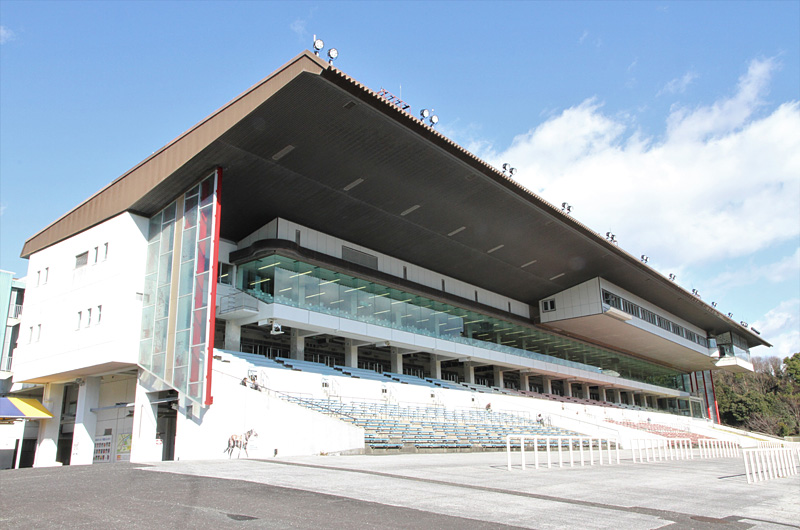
212, 303
714, 390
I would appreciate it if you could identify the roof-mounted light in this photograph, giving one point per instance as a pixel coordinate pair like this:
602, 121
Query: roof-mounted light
424, 113
333, 53
645, 259
318, 45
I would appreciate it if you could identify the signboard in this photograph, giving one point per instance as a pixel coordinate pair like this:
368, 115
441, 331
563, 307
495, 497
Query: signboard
103, 448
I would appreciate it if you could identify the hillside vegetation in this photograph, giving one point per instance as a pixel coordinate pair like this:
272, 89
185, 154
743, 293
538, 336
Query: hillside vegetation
766, 401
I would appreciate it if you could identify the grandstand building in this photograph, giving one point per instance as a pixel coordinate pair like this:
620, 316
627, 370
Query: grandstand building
315, 239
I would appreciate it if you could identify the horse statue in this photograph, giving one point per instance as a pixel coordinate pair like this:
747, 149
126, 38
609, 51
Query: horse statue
240, 442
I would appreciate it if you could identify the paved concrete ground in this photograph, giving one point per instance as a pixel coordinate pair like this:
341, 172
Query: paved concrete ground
467, 490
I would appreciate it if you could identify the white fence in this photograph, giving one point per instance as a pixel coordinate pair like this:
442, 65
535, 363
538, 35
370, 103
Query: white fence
718, 448
656, 450
764, 463
577, 447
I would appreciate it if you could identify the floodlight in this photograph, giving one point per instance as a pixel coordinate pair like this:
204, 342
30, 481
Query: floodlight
743, 323
672, 277
645, 259
333, 53
730, 315
513, 171
506, 167
434, 119
713, 304
754, 330
424, 113
318, 45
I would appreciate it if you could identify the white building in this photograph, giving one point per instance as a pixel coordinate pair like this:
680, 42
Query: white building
315, 220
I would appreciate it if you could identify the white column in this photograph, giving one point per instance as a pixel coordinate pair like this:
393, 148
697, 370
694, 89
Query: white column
350, 353
298, 345
617, 396
585, 390
524, 382
397, 360
498, 377
436, 367
47, 442
631, 401
547, 388
143, 442
469, 373
85, 422
233, 336
567, 388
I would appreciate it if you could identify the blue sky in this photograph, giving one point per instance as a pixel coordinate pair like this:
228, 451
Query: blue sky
675, 125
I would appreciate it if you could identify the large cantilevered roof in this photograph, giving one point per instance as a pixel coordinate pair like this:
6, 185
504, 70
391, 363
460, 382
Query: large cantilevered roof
310, 144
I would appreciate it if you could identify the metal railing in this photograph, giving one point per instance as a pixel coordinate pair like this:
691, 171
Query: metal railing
576, 446
718, 448
15, 311
237, 301
765, 463
657, 450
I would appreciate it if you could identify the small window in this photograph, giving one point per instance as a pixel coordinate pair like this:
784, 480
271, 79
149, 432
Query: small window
88, 317
99, 313
46, 274
38, 278
549, 305
225, 273
80, 317
96, 254
405, 272
476, 296
30, 335
38, 332
105, 251
297, 236
442, 284
81, 260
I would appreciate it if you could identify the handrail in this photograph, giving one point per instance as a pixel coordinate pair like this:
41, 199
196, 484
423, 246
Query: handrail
571, 441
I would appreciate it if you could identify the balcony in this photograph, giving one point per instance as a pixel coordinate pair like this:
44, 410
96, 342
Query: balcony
237, 305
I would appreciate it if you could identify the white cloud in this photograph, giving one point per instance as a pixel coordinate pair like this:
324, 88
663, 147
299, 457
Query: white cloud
299, 28
678, 85
583, 37
786, 268
6, 35
708, 190
782, 325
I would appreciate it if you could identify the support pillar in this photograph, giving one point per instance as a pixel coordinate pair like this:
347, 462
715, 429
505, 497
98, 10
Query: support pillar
498, 377
435, 367
298, 346
47, 442
85, 422
567, 388
524, 382
143, 443
617, 396
233, 336
469, 373
350, 353
547, 387
397, 360
631, 401
585, 390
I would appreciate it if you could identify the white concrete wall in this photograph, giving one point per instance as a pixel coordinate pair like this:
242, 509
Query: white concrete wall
280, 426
116, 388
579, 301
332, 246
114, 282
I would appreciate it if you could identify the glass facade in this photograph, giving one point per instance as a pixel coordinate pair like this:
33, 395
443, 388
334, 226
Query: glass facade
277, 279
177, 295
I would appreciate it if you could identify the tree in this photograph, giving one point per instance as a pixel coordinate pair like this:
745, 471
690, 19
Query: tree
792, 367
